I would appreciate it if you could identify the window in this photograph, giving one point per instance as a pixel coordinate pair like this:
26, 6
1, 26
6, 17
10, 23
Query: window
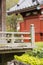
35, 13
28, 14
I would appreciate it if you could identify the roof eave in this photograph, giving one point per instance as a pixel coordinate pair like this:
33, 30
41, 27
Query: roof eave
23, 10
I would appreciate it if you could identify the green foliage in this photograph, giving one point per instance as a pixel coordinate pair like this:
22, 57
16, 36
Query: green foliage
27, 59
36, 53
34, 57
10, 3
11, 22
39, 44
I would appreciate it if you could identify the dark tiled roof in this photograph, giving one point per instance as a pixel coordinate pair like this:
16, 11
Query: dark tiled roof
24, 4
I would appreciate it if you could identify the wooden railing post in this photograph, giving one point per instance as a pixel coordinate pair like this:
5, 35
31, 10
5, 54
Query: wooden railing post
12, 38
22, 39
32, 31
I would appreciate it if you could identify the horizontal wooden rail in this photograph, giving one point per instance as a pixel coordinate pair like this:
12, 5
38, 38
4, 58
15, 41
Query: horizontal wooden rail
15, 38
14, 32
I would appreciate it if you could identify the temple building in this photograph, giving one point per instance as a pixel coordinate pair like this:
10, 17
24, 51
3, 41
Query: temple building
32, 12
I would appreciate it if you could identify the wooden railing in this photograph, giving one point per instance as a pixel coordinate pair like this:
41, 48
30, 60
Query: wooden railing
17, 37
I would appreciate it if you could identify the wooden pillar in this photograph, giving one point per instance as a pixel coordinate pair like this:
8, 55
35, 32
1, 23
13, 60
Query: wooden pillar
3, 15
0, 15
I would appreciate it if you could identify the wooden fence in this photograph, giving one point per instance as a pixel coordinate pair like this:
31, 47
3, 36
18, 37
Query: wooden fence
15, 39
